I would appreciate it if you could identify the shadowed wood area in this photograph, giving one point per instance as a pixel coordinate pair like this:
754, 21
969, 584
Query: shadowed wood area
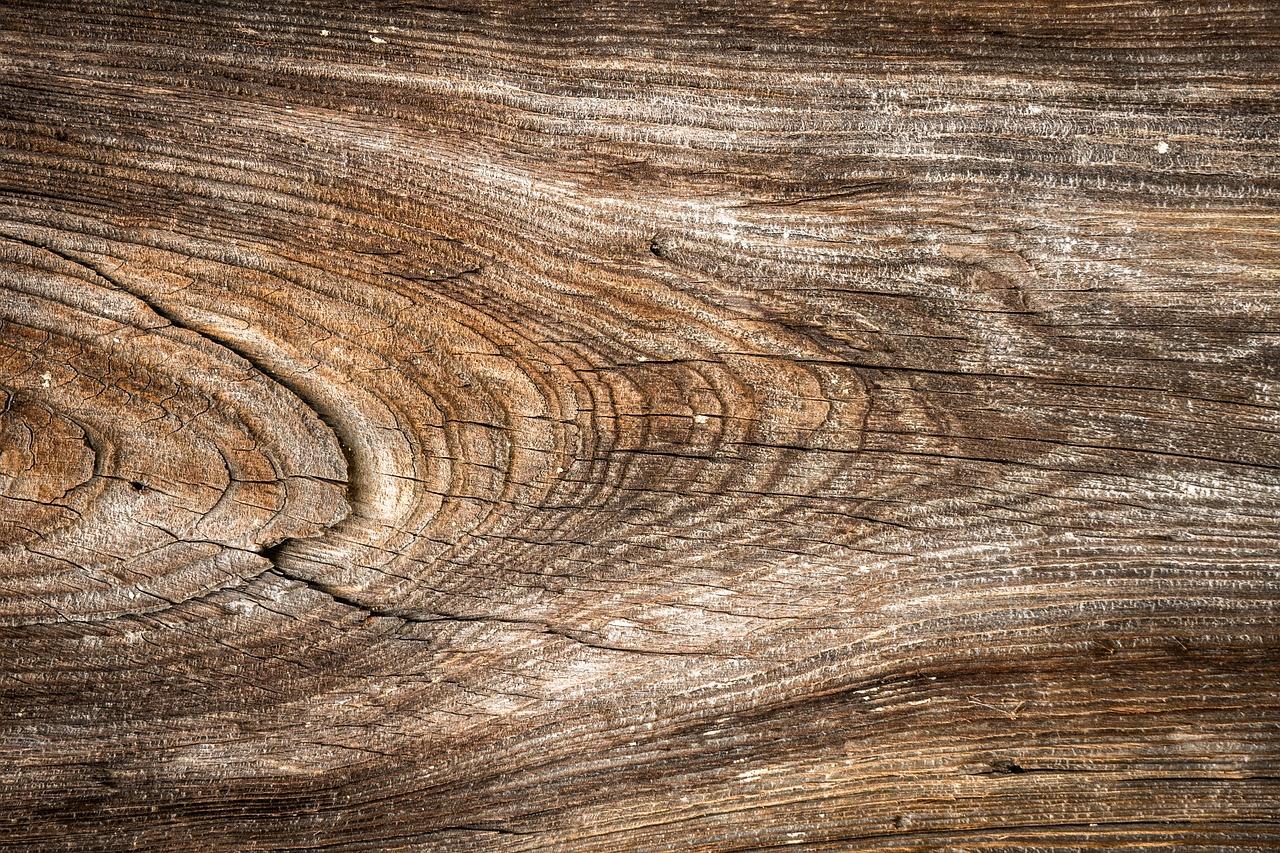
639, 426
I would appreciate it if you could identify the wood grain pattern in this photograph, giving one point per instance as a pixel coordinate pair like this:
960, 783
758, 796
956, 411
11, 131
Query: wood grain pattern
639, 426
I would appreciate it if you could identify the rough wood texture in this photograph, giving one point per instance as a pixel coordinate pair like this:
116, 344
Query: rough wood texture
639, 426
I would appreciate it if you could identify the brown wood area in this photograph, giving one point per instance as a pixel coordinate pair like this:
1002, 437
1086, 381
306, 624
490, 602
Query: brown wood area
631, 427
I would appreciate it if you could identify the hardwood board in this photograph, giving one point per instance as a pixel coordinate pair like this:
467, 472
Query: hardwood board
639, 426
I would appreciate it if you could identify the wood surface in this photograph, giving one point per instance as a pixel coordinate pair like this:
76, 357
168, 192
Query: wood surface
639, 426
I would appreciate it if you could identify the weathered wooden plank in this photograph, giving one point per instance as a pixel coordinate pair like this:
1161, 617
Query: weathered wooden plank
639, 426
